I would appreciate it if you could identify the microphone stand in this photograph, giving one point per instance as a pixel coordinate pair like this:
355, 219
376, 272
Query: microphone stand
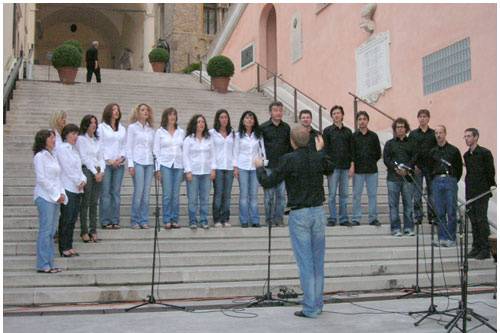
150, 299
464, 312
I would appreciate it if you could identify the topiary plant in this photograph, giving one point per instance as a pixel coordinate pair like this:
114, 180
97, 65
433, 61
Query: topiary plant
193, 67
220, 66
74, 43
66, 56
158, 55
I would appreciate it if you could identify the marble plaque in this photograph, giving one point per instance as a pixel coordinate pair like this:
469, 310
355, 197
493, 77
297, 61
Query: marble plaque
296, 37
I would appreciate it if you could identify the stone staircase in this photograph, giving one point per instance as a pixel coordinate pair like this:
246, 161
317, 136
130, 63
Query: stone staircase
214, 263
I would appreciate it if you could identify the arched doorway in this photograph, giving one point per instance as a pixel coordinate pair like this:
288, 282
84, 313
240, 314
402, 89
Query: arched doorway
268, 39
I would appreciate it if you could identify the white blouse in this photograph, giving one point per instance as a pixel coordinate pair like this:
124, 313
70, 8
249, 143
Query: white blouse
48, 183
140, 144
71, 165
246, 150
223, 148
59, 140
198, 156
90, 153
168, 148
112, 142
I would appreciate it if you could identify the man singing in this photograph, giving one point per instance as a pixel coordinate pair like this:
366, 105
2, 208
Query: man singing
480, 178
305, 118
446, 172
303, 170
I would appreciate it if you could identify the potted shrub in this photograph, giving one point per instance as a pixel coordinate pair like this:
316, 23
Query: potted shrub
66, 59
220, 69
158, 57
74, 43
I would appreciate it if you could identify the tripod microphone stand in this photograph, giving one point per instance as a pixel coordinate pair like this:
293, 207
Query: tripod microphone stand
463, 311
151, 298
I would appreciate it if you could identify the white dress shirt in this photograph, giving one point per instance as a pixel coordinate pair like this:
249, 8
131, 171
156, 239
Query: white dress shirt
247, 149
71, 166
112, 142
168, 148
48, 183
223, 149
198, 156
140, 144
90, 153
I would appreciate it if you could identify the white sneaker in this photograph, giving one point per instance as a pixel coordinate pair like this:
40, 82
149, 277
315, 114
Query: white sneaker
205, 226
397, 234
218, 225
227, 225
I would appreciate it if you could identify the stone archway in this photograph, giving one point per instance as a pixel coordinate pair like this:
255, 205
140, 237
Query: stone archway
268, 39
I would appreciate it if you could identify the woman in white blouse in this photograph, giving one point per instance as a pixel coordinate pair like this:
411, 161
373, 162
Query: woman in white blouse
248, 146
167, 148
49, 194
223, 138
112, 136
73, 181
93, 168
57, 123
140, 135
199, 168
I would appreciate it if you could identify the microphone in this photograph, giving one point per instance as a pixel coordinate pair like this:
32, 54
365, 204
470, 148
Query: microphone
403, 166
445, 162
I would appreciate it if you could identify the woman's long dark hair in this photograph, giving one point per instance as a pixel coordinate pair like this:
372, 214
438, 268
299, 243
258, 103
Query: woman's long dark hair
85, 123
41, 140
229, 129
255, 128
164, 117
108, 112
191, 128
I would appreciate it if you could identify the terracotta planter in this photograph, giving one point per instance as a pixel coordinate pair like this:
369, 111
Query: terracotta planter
158, 67
220, 84
67, 75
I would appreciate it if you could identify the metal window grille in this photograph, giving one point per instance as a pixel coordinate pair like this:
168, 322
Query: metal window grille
447, 67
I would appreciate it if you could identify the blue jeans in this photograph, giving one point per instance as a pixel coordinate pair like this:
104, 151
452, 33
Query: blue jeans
417, 198
405, 190
444, 193
221, 204
371, 180
274, 203
198, 191
140, 198
109, 205
339, 178
171, 183
48, 215
307, 234
249, 210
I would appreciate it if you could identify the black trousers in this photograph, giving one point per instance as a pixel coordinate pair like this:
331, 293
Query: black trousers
91, 70
478, 216
67, 220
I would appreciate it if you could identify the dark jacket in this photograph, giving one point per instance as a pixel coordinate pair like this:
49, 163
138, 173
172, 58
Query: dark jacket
366, 151
302, 171
447, 153
91, 57
398, 151
480, 175
338, 145
276, 141
423, 143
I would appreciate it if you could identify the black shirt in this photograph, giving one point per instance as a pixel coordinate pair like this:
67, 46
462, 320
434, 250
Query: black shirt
366, 151
480, 175
312, 139
276, 141
91, 56
447, 153
423, 142
397, 151
302, 171
338, 145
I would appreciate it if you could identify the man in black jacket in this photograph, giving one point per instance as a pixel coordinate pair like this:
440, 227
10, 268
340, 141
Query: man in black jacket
91, 59
305, 118
480, 178
446, 171
302, 171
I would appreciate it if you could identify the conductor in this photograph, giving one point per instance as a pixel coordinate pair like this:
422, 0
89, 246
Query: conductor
303, 170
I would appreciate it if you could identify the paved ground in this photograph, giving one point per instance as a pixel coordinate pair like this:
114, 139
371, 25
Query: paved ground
372, 316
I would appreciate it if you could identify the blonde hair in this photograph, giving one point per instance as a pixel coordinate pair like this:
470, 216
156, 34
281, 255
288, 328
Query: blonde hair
135, 114
54, 120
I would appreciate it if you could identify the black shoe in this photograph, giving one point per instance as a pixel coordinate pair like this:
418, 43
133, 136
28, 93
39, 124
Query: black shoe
300, 314
418, 222
355, 223
255, 225
483, 254
346, 224
331, 223
244, 225
474, 252
375, 223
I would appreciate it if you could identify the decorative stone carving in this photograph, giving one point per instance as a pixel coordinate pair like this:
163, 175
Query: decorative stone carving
367, 22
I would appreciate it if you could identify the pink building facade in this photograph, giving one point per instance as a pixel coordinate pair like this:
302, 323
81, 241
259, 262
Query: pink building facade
314, 47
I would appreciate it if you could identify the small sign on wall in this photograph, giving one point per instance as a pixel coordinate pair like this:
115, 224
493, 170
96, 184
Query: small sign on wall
296, 38
373, 72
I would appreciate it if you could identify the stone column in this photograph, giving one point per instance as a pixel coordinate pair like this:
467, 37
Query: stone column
149, 34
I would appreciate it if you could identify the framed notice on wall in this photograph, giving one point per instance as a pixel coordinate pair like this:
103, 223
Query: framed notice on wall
373, 72
247, 56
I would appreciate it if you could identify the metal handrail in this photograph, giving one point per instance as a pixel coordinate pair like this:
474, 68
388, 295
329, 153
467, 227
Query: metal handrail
356, 99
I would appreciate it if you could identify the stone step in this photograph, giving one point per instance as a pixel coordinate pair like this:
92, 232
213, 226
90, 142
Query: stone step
99, 294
